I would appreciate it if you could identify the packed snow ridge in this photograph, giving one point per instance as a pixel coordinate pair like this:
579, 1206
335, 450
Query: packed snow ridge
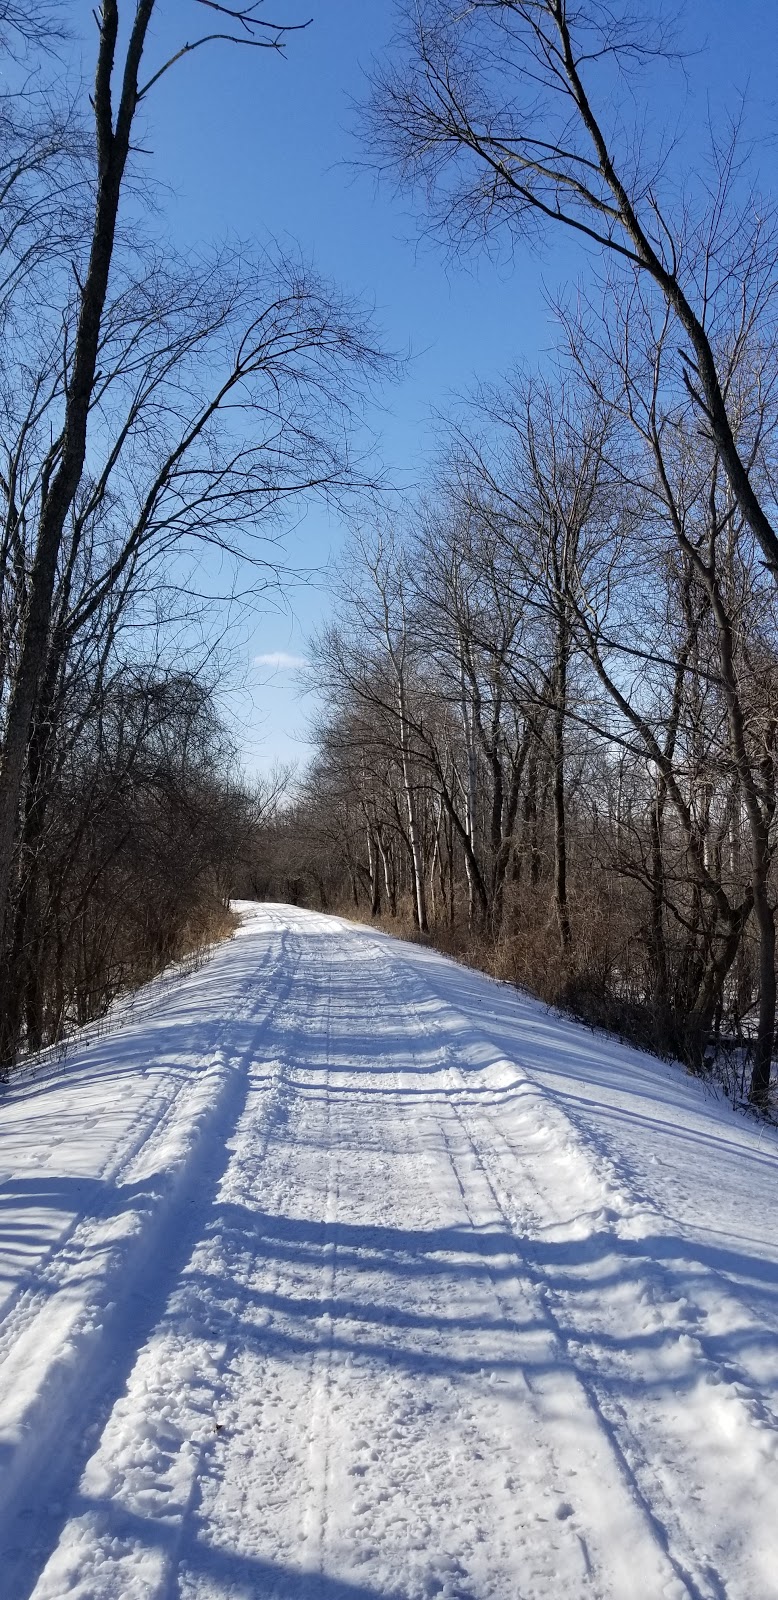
340, 1272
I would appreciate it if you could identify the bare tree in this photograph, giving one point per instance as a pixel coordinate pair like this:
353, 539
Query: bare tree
120, 88
490, 108
375, 662
471, 612
683, 474
589, 687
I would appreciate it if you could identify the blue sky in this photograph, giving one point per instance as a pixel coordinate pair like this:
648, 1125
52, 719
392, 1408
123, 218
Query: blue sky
255, 146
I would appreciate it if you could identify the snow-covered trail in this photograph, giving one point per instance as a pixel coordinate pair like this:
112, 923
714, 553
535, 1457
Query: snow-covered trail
342, 1272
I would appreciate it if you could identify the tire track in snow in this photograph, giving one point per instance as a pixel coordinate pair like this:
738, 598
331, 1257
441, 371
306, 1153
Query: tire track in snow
373, 1323
626, 1220
515, 1290
477, 1417
577, 1391
317, 1511
184, 1428
641, 1433
132, 1278
485, 1415
666, 1491
157, 1114
385, 1467
656, 1483
273, 1451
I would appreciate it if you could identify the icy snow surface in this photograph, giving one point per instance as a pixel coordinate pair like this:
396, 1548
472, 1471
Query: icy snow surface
342, 1272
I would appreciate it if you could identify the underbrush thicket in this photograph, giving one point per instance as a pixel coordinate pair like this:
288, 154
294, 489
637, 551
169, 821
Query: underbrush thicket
138, 830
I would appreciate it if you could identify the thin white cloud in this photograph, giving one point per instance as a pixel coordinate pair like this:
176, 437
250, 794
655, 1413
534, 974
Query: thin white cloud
281, 660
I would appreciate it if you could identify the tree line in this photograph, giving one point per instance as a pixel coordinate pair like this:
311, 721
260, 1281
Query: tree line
549, 700
158, 410
547, 721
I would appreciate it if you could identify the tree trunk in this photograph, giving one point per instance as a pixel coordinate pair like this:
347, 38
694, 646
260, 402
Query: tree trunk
659, 969
389, 883
560, 821
375, 879
112, 150
417, 859
765, 1040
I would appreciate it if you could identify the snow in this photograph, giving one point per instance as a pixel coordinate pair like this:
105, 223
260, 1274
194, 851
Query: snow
339, 1271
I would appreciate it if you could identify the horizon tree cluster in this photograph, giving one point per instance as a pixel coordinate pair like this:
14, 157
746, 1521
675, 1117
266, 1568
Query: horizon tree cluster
550, 712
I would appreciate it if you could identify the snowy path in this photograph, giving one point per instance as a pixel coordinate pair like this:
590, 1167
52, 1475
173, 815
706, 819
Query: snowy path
342, 1272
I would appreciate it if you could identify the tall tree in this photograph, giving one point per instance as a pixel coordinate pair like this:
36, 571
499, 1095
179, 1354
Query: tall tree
492, 108
119, 90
